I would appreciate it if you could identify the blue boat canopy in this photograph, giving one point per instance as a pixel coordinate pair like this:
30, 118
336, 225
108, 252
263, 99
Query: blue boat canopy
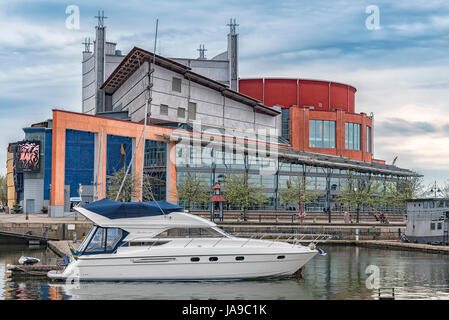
118, 210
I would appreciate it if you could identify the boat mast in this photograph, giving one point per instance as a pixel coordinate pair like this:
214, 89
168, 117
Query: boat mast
147, 107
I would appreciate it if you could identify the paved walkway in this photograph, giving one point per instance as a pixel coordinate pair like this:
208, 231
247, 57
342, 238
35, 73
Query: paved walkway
39, 218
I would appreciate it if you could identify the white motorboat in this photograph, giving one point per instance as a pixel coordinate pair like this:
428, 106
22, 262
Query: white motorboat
156, 241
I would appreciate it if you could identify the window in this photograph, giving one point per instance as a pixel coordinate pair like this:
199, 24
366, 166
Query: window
321, 134
176, 84
192, 111
213, 259
352, 136
194, 259
432, 226
285, 123
439, 226
164, 110
147, 243
98, 241
281, 257
104, 239
113, 236
239, 258
368, 139
425, 204
181, 113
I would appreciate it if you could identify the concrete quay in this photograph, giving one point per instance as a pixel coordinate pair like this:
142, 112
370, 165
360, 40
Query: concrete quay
52, 228
394, 245
61, 247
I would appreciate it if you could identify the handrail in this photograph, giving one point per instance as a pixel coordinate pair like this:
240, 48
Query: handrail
314, 238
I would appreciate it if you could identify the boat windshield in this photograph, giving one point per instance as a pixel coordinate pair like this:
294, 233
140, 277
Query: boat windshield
87, 239
103, 240
190, 233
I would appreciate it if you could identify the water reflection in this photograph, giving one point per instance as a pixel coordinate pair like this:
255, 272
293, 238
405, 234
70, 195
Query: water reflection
341, 274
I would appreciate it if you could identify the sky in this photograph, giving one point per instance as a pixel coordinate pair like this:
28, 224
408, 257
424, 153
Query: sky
396, 55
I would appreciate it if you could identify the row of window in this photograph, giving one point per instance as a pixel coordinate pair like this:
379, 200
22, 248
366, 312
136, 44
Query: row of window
238, 258
322, 135
439, 225
181, 112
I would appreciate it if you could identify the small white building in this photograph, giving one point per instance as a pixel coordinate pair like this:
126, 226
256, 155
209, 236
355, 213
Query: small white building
428, 221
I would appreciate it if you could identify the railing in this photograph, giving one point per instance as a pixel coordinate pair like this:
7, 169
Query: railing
383, 297
42, 232
295, 238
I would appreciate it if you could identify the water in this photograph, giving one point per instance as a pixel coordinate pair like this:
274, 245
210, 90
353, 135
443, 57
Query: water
341, 274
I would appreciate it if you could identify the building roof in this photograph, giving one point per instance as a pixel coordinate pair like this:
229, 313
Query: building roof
138, 56
217, 198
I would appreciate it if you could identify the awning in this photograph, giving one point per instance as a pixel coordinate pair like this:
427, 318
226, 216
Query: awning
119, 210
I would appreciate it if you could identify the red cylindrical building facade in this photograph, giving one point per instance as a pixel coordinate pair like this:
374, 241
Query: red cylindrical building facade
321, 95
322, 101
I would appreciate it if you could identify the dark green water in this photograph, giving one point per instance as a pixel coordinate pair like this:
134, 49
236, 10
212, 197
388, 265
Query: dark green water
341, 274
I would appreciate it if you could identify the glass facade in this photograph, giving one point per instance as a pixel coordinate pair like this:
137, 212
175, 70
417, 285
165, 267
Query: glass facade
322, 134
352, 136
155, 167
214, 165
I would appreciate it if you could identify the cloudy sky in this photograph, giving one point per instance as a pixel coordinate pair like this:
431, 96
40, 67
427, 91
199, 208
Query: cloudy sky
400, 69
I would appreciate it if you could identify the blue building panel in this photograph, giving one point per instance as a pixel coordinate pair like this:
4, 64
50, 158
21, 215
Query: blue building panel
79, 159
119, 153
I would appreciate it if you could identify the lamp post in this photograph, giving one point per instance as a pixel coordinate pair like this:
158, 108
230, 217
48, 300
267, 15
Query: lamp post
217, 198
435, 189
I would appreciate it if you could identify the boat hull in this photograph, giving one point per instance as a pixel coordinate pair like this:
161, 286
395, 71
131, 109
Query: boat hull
182, 268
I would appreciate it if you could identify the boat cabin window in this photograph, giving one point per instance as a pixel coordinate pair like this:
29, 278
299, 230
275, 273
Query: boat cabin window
104, 240
190, 233
146, 243
425, 204
432, 226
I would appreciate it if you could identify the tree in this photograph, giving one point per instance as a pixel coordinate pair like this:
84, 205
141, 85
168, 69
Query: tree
397, 192
358, 192
3, 189
193, 190
239, 192
445, 189
130, 187
295, 190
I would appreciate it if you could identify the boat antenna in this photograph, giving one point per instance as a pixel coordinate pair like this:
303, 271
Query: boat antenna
148, 107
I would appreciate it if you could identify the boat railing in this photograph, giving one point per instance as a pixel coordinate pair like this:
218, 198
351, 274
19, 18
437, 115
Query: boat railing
294, 238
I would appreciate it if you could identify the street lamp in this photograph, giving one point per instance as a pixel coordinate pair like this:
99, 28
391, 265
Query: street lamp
435, 189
